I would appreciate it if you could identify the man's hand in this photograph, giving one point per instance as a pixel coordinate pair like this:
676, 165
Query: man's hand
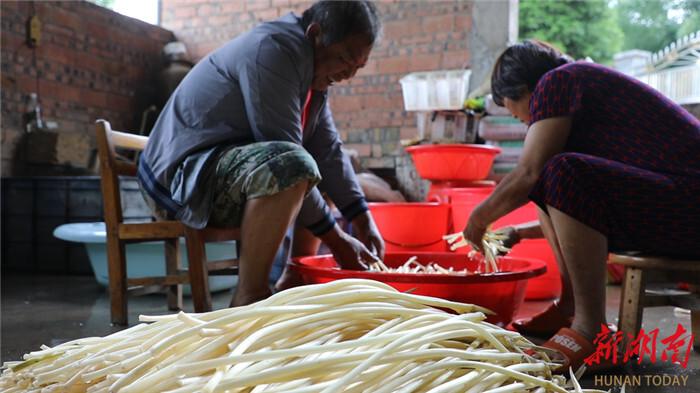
366, 231
349, 252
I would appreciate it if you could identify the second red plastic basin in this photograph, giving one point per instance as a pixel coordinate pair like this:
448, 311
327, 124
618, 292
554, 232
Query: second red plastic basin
453, 162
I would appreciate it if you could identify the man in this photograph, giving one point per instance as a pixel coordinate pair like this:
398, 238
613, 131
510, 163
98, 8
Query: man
248, 134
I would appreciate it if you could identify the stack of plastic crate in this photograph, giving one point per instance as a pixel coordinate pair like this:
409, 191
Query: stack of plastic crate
500, 128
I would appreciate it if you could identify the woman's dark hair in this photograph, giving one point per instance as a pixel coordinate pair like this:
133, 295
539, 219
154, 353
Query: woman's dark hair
519, 67
341, 19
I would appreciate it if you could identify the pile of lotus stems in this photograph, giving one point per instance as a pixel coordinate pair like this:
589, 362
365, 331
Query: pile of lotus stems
492, 246
344, 336
413, 266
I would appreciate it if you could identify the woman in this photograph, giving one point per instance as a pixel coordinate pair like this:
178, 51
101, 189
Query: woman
613, 166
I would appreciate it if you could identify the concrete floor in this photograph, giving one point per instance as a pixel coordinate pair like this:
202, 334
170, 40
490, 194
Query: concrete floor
54, 309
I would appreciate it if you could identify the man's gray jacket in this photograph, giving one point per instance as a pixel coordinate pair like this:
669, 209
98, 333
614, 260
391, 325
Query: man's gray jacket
250, 90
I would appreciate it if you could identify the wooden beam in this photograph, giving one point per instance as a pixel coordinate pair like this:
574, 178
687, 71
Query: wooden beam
128, 141
221, 264
647, 262
144, 231
181, 278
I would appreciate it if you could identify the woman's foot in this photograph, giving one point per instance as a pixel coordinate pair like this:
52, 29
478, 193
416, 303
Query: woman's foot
576, 350
546, 323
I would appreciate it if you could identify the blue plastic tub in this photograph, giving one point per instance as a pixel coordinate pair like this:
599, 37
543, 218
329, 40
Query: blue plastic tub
142, 259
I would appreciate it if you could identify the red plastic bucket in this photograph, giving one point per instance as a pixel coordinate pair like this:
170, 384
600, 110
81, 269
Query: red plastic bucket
412, 226
502, 292
440, 192
453, 162
448, 195
548, 285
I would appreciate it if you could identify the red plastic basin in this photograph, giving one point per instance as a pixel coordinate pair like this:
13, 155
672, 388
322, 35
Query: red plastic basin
411, 226
502, 292
453, 162
445, 192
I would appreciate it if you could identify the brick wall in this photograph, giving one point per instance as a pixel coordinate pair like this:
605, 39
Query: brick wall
91, 63
368, 110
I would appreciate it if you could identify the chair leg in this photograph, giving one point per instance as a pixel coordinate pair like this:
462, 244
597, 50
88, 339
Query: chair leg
632, 301
695, 328
199, 274
172, 266
116, 261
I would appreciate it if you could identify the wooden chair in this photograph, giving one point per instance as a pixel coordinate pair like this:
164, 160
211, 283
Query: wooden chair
636, 295
120, 233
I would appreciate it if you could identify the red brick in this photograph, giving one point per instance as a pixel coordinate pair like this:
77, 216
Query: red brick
206, 9
219, 20
420, 39
92, 97
455, 60
346, 103
234, 6
59, 91
363, 150
60, 17
433, 24
369, 68
119, 102
184, 12
267, 15
98, 32
254, 5
55, 53
425, 62
392, 65
379, 101
463, 22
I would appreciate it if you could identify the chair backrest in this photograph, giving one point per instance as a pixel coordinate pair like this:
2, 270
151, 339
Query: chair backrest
111, 167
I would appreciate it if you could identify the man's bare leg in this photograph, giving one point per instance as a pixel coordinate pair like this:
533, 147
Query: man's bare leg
265, 222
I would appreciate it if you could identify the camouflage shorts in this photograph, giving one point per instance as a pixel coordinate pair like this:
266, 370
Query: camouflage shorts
257, 170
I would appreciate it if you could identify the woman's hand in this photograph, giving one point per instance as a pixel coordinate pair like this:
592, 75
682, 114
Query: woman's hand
475, 230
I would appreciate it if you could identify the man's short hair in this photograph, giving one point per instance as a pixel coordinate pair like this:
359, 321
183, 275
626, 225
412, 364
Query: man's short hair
342, 19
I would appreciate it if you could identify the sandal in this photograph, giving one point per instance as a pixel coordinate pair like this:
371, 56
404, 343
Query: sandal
544, 324
577, 350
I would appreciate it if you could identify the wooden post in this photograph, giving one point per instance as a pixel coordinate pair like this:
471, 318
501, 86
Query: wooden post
172, 266
632, 302
199, 273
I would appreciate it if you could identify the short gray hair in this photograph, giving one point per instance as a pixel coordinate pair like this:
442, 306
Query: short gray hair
341, 19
